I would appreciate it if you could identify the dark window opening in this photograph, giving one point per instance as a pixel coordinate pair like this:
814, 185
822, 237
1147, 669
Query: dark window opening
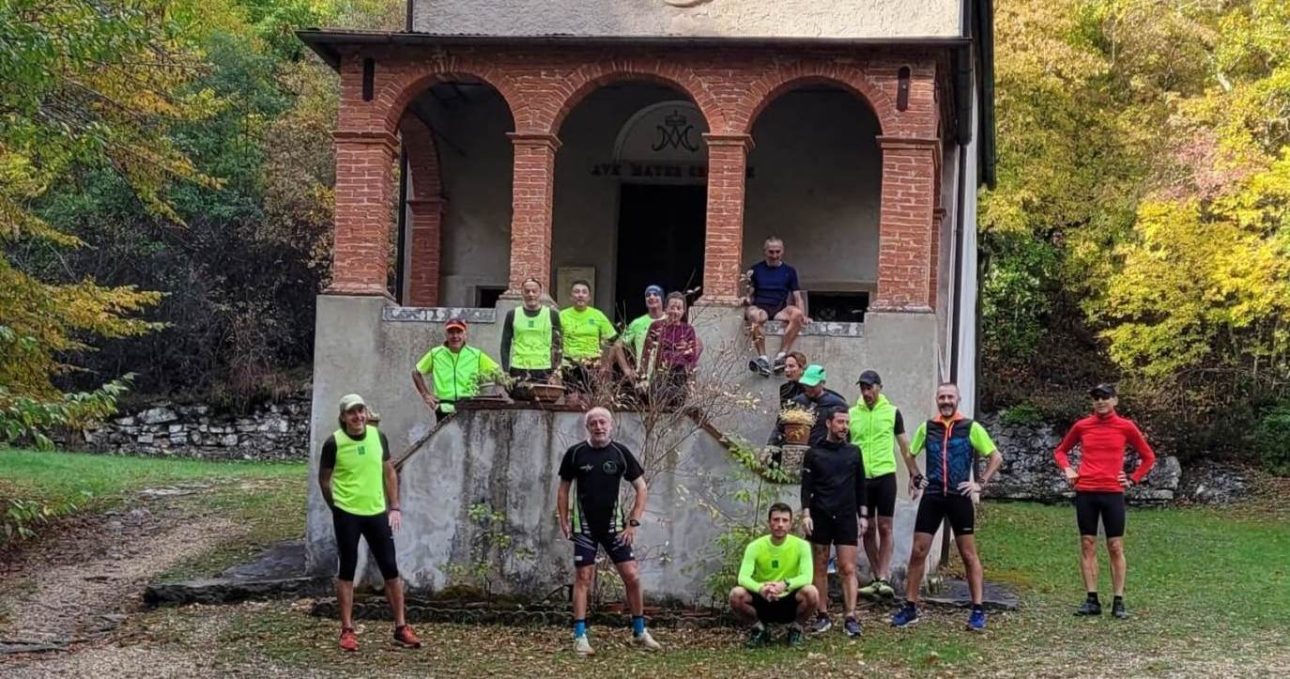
486, 296
838, 307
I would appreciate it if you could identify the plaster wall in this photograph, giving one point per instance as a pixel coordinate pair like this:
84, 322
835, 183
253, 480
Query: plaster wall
872, 19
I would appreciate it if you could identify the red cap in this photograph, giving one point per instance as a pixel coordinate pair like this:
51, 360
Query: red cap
455, 323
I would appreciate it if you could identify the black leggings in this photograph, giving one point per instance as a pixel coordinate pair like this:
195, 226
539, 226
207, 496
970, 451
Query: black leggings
380, 539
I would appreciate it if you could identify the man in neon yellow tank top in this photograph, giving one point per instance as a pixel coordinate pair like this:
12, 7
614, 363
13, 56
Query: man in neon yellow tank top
531, 338
360, 485
775, 581
876, 428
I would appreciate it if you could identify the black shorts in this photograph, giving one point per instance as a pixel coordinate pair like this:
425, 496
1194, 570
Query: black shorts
780, 611
1109, 507
380, 539
934, 509
829, 529
587, 543
772, 310
880, 495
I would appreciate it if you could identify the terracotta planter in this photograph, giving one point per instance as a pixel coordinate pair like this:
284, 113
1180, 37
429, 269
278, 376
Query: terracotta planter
797, 434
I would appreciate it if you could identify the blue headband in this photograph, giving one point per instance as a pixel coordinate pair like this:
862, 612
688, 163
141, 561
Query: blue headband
654, 289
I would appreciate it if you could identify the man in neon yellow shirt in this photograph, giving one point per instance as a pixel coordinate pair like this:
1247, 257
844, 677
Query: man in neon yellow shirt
775, 581
634, 336
586, 334
455, 370
876, 427
360, 485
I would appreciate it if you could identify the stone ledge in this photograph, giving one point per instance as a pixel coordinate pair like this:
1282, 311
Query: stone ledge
817, 329
438, 314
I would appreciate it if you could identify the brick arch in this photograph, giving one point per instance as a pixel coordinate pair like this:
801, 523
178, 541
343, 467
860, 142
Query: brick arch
425, 203
409, 83
591, 77
765, 90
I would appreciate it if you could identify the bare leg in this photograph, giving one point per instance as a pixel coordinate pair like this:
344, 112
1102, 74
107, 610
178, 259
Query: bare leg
1119, 567
741, 605
755, 317
631, 575
917, 566
345, 600
847, 572
794, 319
1088, 561
807, 600
884, 547
581, 588
972, 564
820, 562
871, 551
393, 594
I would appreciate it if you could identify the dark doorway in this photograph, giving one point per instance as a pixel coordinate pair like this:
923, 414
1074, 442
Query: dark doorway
660, 240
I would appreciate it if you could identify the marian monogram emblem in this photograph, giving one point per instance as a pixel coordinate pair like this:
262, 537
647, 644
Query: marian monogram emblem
675, 133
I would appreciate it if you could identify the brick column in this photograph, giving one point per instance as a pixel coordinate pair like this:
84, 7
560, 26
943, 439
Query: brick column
906, 269
532, 191
724, 235
938, 223
425, 222
364, 213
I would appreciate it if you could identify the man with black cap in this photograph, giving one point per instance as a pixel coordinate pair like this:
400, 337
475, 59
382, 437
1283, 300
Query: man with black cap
1099, 481
455, 370
876, 428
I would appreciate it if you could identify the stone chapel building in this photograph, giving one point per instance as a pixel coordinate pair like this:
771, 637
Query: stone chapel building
633, 142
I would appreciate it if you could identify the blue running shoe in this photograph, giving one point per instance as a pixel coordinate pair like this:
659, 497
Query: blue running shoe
906, 616
976, 621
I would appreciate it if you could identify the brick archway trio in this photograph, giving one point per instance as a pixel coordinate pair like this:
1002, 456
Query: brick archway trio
541, 85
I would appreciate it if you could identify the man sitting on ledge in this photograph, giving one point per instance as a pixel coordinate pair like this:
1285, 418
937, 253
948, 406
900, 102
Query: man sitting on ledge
770, 284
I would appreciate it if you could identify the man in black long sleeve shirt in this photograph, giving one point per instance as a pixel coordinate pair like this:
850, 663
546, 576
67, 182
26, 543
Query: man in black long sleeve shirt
833, 511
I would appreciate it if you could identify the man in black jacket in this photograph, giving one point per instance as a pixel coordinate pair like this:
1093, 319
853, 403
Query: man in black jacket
834, 512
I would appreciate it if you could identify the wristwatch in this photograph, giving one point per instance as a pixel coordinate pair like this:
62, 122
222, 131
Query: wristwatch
633, 523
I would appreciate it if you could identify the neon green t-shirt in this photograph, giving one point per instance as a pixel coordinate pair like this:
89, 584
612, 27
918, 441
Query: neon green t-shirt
636, 332
764, 562
584, 331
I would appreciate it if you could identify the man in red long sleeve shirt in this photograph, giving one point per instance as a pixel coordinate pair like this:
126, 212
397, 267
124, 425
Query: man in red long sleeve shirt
1099, 484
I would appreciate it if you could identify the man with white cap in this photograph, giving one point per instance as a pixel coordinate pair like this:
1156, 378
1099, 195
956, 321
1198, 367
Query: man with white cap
360, 486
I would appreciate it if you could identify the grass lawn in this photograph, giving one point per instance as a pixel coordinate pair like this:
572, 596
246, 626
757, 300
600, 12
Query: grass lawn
1209, 591
268, 498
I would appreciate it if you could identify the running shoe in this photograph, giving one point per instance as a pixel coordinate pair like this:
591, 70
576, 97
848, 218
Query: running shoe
885, 590
906, 616
833, 565
582, 647
1089, 607
348, 639
758, 637
778, 365
762, 366
405, 637
870, 591
1118, 610
795, 636
852, 627
976, 621
645, 641
822, 624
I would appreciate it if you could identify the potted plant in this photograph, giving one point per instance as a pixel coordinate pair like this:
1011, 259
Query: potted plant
494, 384
797, 424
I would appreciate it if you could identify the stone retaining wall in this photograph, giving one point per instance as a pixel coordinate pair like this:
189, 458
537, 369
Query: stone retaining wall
274, 431
1029, 472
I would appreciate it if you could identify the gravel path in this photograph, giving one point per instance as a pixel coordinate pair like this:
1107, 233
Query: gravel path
73, 591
